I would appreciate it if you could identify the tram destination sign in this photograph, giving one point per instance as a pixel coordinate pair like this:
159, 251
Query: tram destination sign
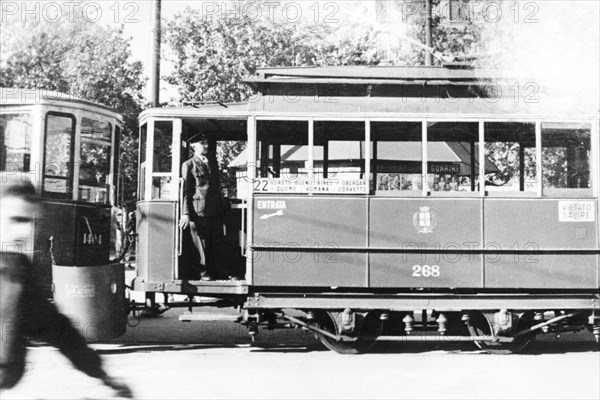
301, 185
443, 168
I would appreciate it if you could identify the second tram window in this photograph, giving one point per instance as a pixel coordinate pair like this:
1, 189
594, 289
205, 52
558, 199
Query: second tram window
15, 142
94, 165
58, 163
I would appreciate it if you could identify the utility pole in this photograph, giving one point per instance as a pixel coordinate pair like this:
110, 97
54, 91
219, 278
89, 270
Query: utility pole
428, 31
155, 63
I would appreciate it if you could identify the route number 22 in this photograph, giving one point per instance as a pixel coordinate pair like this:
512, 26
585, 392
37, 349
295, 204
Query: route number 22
426, 271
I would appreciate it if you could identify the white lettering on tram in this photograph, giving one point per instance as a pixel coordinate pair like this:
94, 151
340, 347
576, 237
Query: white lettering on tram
271, 205
92, 239
576, 211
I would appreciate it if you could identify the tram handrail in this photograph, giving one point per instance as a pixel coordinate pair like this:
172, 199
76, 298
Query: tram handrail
242, 234
179, 235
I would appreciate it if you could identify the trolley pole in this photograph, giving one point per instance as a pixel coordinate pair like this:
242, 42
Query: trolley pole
155, 63
428, 60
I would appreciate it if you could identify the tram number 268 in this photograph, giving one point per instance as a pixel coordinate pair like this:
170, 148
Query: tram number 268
426, 271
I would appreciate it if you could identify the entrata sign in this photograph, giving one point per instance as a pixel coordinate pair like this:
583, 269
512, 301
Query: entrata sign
301, 185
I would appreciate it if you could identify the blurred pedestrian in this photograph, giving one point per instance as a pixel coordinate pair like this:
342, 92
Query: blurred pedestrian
24, 310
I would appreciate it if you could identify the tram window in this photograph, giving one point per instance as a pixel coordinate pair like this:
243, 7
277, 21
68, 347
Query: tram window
452, 156
95, 157
162, 160
339, 150
566, 151
15, 142
142, 168
282, 149
510, 164
163, 146
161, 187
396, 163
58, 152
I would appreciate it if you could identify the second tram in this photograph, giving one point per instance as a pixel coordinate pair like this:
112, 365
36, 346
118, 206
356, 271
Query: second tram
68, 148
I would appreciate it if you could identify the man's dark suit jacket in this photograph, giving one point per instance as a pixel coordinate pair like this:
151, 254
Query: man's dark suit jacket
202, 188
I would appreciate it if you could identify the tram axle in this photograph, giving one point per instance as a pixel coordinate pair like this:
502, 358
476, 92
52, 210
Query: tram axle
544, 324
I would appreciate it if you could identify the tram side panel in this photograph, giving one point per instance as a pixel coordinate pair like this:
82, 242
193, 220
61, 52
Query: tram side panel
541, 243
80, 236
310, 241
367, 242
425, 243
156, 251
413, 242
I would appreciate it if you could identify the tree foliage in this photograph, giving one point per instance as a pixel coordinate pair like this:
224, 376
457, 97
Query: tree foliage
82, 59
212, 56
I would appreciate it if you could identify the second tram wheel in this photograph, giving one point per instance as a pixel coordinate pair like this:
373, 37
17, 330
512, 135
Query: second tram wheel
368, 328
480, 325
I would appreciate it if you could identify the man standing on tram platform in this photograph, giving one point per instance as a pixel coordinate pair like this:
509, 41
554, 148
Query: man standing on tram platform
24, 310
203, 207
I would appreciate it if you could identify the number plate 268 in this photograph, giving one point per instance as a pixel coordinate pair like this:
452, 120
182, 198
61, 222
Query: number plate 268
426, 271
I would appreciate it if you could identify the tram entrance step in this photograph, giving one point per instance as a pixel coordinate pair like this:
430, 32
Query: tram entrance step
208, 316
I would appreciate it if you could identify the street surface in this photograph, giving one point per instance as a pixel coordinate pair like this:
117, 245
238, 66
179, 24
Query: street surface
162, 358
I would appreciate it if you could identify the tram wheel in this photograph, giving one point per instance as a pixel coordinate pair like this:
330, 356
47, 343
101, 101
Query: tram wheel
480, 325
369, 327
151, 309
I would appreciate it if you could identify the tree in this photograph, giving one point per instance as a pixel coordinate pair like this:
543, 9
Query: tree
84, 60
212, 56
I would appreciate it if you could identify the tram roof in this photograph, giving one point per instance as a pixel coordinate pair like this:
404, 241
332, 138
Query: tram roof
201, 110
374, 74
21, 97
375, 91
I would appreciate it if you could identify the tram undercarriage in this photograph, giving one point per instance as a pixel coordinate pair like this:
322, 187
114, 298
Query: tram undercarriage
498, 324
353, 323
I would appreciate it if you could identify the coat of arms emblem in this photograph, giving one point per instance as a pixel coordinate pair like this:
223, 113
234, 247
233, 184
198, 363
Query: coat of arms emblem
425, 220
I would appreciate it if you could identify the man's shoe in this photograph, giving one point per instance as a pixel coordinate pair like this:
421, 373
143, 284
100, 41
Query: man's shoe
234, 278
206, 278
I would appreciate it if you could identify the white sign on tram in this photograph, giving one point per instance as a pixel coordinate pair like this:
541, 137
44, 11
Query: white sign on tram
301, 185
576, 211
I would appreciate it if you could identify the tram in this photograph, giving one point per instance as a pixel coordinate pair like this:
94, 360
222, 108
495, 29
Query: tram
68, 148
388, 203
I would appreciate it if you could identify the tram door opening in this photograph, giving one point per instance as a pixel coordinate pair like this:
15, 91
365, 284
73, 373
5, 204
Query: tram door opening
229, 249
166, 252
